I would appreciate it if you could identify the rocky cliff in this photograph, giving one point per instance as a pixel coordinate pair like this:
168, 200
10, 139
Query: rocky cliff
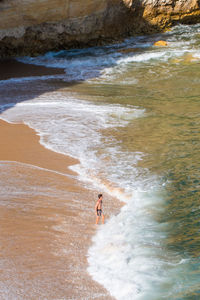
30, 27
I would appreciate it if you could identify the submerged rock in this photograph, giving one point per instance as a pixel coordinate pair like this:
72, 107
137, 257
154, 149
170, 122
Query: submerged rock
185, 59
32, 27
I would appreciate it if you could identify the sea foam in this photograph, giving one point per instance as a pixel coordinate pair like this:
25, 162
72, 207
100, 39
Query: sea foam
94, 63
74, 127
128, 255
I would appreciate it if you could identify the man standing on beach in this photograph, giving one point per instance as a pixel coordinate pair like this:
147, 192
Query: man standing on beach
98, 209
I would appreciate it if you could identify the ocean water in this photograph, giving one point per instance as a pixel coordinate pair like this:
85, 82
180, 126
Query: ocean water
130, 112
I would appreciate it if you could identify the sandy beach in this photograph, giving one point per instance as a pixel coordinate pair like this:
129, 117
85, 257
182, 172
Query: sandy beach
48, 242
126, 123
44, 241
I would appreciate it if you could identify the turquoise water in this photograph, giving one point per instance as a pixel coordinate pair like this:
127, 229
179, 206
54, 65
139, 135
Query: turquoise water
132, 118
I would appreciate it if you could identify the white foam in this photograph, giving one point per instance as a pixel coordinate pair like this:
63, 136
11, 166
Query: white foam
30, 78
73, 127
127, 255
122, 263
87, 64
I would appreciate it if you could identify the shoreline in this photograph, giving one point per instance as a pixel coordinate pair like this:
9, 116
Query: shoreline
19, 143
27, 149
11, 68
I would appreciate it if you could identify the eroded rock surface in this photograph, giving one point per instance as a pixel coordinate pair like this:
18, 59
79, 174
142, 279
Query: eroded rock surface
36, 26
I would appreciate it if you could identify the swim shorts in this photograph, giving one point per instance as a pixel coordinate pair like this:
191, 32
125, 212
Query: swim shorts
99, 212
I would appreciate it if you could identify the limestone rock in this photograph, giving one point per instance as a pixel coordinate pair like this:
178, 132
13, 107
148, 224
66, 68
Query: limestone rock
160, 44
30, 27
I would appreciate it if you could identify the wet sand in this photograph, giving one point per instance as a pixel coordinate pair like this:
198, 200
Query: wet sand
44, 240
11, 68
20, 143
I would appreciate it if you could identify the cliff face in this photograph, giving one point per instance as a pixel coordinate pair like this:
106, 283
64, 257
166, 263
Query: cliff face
36, 26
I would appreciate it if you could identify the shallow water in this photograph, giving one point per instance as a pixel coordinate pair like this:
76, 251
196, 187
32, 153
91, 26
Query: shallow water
132, 119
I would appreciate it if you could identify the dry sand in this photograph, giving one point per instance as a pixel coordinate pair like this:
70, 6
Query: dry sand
44, 242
